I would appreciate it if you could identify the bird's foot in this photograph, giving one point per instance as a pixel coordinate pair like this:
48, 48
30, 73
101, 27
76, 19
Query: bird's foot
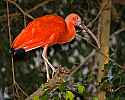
53, 69
53, 73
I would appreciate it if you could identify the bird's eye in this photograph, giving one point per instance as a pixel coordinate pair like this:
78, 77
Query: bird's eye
77, 18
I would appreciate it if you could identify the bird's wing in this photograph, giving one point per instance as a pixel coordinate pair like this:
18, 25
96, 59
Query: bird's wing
40, 32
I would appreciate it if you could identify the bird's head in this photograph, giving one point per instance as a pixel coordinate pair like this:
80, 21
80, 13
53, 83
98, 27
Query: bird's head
74, 19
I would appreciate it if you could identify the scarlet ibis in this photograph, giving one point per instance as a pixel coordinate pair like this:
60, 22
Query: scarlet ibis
46, 31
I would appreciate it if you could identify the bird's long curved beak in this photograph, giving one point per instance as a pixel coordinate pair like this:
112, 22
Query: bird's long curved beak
85, 29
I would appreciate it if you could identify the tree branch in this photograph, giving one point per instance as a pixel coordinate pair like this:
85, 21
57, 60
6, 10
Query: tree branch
3, 17
21, 10
98, 15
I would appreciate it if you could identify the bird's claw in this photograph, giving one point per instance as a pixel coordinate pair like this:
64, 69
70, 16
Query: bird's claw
53, 73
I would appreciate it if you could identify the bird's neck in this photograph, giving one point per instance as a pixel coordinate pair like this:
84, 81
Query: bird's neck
71, 32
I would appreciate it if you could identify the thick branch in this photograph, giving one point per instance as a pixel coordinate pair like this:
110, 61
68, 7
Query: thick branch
103, 32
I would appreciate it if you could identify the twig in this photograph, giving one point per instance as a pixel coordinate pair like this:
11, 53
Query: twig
38, 92
10, 40
21, 90
85, 60
4, 17
39, 5
8, 22
123, 86
118, 32
28, 11
79, 36
90, 33
21, 10
99, 13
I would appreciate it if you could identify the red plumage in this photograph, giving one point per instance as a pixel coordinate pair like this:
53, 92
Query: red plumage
45, 30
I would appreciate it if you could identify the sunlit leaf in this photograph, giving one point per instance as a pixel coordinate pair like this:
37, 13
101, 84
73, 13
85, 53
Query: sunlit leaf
95, 98
69, 95
80, 88
36, 98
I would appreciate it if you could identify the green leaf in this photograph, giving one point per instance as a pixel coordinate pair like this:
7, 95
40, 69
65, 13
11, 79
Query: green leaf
80, 88
69, 95
44, 97
36, 98
95, 98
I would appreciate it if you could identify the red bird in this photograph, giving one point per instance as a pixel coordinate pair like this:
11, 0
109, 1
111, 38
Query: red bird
46, 31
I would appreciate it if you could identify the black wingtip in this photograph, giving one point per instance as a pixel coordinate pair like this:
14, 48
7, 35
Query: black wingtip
18, 53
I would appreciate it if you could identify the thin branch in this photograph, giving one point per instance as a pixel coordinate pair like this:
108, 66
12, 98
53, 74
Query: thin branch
8, 22
79, 36
10, 40
81, 65
21, 90
98, 15
39, 5
28, 11
118, 32
4, 17
90, 33
123, 86
38, 92
21, 10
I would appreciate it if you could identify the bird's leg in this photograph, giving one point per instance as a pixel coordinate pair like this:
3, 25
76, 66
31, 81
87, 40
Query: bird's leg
47, 71
44, 55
